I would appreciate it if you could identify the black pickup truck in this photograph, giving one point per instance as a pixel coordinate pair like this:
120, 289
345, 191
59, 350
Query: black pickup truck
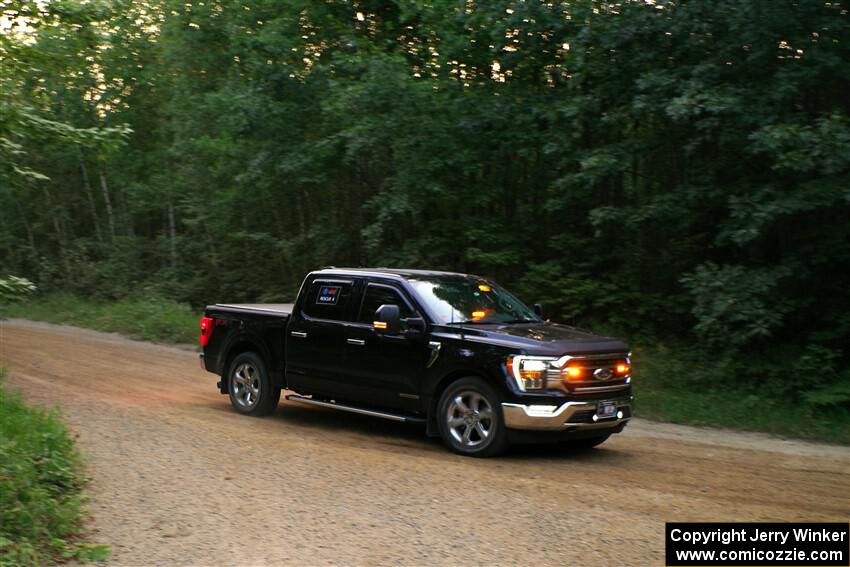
454, 352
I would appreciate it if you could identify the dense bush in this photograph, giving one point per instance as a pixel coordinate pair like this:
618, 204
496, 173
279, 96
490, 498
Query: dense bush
142, 317
13, 288
41, 514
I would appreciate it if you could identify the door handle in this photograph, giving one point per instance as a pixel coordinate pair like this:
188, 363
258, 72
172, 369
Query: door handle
299, 334
358, 342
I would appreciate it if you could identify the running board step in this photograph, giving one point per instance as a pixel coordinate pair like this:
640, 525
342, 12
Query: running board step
355, 409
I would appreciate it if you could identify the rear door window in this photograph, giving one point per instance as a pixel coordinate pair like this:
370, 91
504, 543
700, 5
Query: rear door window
328, 300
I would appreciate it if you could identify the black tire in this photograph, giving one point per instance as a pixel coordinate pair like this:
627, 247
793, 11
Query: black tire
588, 443
465, 436
249, 386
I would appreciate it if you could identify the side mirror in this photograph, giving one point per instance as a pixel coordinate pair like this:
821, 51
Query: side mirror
387, 320
538, 310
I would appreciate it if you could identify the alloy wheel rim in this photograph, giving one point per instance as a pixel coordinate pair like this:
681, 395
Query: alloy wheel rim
245, 385
470, 419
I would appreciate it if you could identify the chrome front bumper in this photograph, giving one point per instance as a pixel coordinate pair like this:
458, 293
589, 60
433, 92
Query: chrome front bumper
558, 418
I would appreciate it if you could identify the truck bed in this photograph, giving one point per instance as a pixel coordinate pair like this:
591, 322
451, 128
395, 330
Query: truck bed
261, 308
261, 324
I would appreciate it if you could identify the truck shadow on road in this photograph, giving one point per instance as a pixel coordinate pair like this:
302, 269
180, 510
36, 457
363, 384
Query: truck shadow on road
605, 455
326, 425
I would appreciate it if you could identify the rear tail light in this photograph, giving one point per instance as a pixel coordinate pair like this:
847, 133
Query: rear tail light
207, 325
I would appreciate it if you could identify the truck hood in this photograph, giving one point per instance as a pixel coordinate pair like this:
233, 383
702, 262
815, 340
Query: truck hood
544, 339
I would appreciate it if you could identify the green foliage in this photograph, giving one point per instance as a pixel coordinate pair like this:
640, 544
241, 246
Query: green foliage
678, 384
829, 378
13, 288
41, 507
143, 318
822, 147
836, 394
734, 305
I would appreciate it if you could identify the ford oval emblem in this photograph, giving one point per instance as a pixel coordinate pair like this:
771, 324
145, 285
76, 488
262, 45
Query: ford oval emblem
603, 373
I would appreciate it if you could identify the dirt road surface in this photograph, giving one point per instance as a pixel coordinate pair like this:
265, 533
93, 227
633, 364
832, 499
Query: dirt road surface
180, 478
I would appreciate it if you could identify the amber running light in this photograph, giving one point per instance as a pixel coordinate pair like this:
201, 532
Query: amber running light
574, 371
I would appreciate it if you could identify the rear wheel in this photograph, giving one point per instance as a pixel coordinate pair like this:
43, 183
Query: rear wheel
470, 420
251, 391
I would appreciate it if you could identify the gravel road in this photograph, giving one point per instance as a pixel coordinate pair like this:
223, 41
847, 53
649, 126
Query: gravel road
179, 478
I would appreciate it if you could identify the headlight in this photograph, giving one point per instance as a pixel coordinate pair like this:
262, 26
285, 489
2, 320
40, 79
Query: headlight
530, 371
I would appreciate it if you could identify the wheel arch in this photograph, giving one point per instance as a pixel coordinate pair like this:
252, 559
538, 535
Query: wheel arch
440, 387
241, 344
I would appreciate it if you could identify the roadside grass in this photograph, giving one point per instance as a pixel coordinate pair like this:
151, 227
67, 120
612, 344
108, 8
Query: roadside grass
41, 481
671, 384
156, 320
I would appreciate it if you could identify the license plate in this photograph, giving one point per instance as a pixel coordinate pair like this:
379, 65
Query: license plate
606, 409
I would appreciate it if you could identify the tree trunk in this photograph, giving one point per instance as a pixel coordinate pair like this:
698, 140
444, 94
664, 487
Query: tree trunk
90, 196
28, 229
61, 240
172, 235
54, 218
109, 213
299, 206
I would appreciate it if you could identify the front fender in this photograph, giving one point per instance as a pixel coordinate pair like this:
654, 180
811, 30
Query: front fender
458, 358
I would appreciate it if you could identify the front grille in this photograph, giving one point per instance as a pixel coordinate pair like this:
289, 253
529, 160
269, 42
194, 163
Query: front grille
598, 387
599, 396
587, 385
591, 364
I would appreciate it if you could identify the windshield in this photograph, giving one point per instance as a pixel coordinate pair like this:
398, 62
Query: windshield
470, 300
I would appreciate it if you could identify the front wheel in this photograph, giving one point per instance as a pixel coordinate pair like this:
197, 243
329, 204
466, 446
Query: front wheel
251, 391
470, 420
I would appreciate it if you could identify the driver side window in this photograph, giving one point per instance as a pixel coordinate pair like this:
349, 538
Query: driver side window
377, 295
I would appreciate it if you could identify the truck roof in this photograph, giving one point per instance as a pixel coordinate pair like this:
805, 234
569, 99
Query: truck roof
398, 272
